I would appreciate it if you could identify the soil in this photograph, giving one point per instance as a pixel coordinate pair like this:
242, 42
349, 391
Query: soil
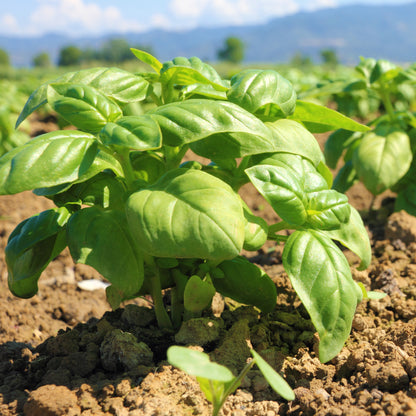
64, 352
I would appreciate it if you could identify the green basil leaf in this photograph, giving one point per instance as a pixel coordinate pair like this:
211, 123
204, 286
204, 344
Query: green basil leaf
132, 132
148, 59
291, 137
319, 119
321, 276
116, 83
282, 190
246, 283
103, 161
327, 209
263, 92
198, 91
276, 381
91, 233
198, 294
30, 248
228, 130
183, 71
382, 158
187, 213
82, 106
306, 173
68, 154
354, 236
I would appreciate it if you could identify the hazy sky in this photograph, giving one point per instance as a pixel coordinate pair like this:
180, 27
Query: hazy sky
95, 17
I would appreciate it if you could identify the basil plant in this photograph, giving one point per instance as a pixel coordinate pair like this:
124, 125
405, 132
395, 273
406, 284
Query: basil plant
132, 203
383, 158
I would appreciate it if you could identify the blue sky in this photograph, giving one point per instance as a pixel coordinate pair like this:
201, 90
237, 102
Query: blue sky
96, 17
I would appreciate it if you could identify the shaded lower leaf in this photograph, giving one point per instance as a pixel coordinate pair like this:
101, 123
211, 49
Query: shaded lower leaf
31, 247
321, 276
246, 283
91, 235
198, 294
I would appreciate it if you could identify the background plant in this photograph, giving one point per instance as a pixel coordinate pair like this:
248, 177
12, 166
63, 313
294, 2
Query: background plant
383, 158
129, 205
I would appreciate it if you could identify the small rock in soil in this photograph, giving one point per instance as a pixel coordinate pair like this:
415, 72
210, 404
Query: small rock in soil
122, 348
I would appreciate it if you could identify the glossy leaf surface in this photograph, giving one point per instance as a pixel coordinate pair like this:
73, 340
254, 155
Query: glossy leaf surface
113, 82
187, 213
132, 132
292, 137
282, 190
68, 154
82, 105
228, 130
262, 91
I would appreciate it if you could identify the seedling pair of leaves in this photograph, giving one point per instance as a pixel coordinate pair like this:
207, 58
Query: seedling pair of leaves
128, 204
384, 157
218, 382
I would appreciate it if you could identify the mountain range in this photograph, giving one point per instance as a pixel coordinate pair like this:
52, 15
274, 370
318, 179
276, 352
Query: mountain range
351, 31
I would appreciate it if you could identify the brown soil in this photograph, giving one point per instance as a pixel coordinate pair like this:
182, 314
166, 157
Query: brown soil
63, 352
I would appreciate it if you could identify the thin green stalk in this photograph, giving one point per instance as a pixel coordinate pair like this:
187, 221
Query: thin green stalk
162, 316
174, 156
123, 156
275, 228
233, 387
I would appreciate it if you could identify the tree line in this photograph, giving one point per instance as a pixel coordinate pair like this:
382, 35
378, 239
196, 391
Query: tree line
117, 50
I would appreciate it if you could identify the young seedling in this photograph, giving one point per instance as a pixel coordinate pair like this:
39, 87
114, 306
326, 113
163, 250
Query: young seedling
129, 205
216, 381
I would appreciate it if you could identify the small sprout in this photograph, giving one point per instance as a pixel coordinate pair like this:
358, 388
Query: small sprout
216, 381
